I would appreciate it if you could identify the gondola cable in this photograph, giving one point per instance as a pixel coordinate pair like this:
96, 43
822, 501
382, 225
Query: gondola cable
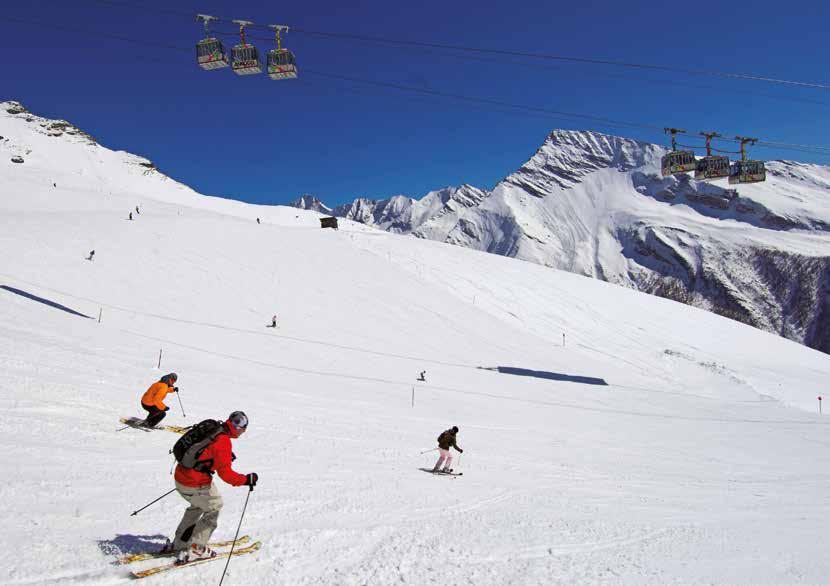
510, 53
812, 149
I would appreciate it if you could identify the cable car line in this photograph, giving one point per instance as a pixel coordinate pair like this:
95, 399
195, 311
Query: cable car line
583, 60
594, 73
811, 149
65, 28
511, 53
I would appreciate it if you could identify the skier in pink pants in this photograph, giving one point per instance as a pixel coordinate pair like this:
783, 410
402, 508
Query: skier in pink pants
446, 441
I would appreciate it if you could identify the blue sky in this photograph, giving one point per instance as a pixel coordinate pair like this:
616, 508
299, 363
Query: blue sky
265, 141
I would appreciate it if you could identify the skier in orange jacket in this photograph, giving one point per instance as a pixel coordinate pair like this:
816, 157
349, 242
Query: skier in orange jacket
153, 399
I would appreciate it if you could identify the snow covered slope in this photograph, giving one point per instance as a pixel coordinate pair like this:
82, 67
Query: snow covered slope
659, 444
596, 205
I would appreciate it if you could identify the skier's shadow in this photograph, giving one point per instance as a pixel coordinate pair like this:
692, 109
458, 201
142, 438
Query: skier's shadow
126, 544
43, 300
558, 376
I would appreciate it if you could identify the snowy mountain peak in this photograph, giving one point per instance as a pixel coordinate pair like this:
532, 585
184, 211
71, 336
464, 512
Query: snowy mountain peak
309, 202
568, 155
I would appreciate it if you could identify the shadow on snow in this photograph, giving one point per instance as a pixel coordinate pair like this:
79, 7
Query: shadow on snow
126, 544
571, 378
42, 300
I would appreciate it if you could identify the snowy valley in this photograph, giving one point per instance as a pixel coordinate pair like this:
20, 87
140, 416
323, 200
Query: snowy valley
610, 436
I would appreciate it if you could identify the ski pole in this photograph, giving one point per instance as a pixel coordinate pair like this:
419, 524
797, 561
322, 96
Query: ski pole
428, 451
178, 395
134, 513
230, 555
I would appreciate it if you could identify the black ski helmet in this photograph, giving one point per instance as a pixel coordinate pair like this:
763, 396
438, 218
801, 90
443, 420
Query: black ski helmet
239, 420
170, 378
454, 429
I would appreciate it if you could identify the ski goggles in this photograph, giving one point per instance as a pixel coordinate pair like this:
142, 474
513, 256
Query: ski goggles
239, 420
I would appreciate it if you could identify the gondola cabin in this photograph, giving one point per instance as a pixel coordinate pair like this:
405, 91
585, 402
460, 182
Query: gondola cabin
713, 167
281, 64
245, 60
210, 54
748, 172
678, 162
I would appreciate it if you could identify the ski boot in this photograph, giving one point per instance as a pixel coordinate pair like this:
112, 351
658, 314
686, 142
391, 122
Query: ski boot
193, 553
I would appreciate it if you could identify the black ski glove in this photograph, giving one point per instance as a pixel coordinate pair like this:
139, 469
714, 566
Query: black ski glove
460, 451
233, 456
175, 389
167, 408
251, 479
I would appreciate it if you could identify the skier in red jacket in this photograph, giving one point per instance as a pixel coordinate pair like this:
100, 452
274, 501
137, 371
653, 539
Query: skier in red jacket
196, 486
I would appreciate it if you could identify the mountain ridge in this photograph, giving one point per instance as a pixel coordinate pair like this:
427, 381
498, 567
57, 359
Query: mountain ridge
597, 205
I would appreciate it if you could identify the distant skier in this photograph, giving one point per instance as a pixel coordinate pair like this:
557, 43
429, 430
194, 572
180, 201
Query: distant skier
131, 215
153, 399
91, 255
136, 210
195, 485
446, 441
423, 376
257, 221
273, 322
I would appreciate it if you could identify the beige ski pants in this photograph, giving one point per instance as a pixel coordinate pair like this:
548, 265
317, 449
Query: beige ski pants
200, 518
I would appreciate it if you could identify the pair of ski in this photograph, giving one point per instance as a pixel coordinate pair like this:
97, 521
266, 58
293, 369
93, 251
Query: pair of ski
138, 557
441, 472
137, 423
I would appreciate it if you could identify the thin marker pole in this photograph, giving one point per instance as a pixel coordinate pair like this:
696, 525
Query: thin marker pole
413, 397
159, 366
100, 312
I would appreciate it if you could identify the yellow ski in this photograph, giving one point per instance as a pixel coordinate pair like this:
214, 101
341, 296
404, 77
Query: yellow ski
151, 555
174, 566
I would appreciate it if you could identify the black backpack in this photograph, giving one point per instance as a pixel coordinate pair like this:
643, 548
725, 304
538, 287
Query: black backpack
191, 445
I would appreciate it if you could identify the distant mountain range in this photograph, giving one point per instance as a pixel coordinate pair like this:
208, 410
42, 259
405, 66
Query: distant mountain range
596, 205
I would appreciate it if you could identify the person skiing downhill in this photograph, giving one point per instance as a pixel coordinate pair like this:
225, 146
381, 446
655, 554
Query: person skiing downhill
195, 485
153, 399
445, 441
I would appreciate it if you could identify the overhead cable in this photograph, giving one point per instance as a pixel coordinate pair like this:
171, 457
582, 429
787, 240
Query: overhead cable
813, 149
505, 52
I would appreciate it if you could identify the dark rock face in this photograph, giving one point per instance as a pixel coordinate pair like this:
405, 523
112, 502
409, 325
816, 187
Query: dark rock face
770, 289
15, 108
